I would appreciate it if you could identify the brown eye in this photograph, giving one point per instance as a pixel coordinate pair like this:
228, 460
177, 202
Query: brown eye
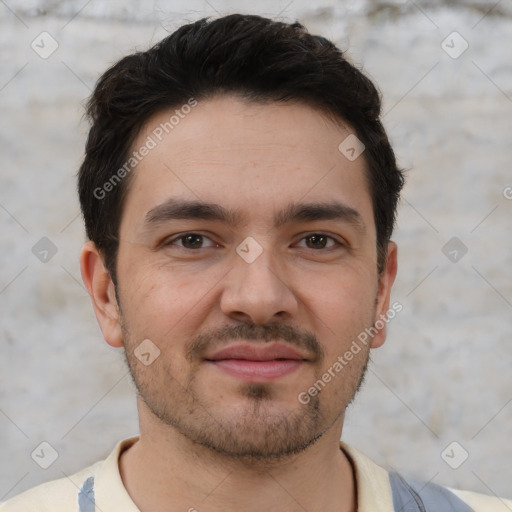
319, 241
191, 241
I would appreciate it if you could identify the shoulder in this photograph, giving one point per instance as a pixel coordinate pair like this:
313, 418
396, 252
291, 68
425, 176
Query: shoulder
380, 490
56, 496
427, 496
483, 503
63, 495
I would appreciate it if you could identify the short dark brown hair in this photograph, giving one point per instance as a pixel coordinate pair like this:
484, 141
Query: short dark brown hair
254, 57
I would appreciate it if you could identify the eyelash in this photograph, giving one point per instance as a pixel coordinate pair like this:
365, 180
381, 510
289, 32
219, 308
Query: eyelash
184, 235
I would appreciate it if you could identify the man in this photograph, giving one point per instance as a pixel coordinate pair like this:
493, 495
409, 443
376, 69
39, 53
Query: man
239, 195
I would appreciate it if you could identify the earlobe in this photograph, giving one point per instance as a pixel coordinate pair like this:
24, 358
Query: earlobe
386, 280
101, 289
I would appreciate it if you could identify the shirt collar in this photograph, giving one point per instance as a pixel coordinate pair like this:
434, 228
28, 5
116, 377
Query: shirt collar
110, 492
372, 482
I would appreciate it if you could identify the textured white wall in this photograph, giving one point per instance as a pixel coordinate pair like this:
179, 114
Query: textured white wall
444, 374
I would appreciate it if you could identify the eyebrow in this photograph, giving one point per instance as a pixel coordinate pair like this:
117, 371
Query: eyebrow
175, 209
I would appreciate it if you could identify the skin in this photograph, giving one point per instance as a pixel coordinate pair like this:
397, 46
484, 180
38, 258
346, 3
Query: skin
210, 440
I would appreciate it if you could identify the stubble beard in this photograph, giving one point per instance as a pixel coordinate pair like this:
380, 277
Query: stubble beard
257, 432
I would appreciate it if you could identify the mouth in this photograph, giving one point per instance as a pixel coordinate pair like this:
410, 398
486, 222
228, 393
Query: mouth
257, 363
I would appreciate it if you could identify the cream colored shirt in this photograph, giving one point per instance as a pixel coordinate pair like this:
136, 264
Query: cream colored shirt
373, 489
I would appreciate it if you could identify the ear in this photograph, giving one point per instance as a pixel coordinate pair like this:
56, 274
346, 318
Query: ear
101, 289
386, 280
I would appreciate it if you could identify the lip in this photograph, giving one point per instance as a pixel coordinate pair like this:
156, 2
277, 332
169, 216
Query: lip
257, 363
257, 352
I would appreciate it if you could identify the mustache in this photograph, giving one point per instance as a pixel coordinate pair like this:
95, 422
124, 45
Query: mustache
304, 340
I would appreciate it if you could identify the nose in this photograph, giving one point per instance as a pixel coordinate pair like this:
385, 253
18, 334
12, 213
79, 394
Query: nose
258, 292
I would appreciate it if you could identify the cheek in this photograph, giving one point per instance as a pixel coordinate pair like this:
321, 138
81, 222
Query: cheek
156, 307
343, 307
159, 301
340, 293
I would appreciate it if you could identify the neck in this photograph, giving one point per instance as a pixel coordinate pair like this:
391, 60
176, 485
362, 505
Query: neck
164, 470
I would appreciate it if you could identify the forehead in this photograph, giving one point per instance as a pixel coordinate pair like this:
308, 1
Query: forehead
247, 156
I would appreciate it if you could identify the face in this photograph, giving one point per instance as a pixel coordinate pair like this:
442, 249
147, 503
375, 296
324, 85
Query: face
247, 267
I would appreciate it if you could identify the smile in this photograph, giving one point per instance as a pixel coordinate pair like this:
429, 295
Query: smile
260, 362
